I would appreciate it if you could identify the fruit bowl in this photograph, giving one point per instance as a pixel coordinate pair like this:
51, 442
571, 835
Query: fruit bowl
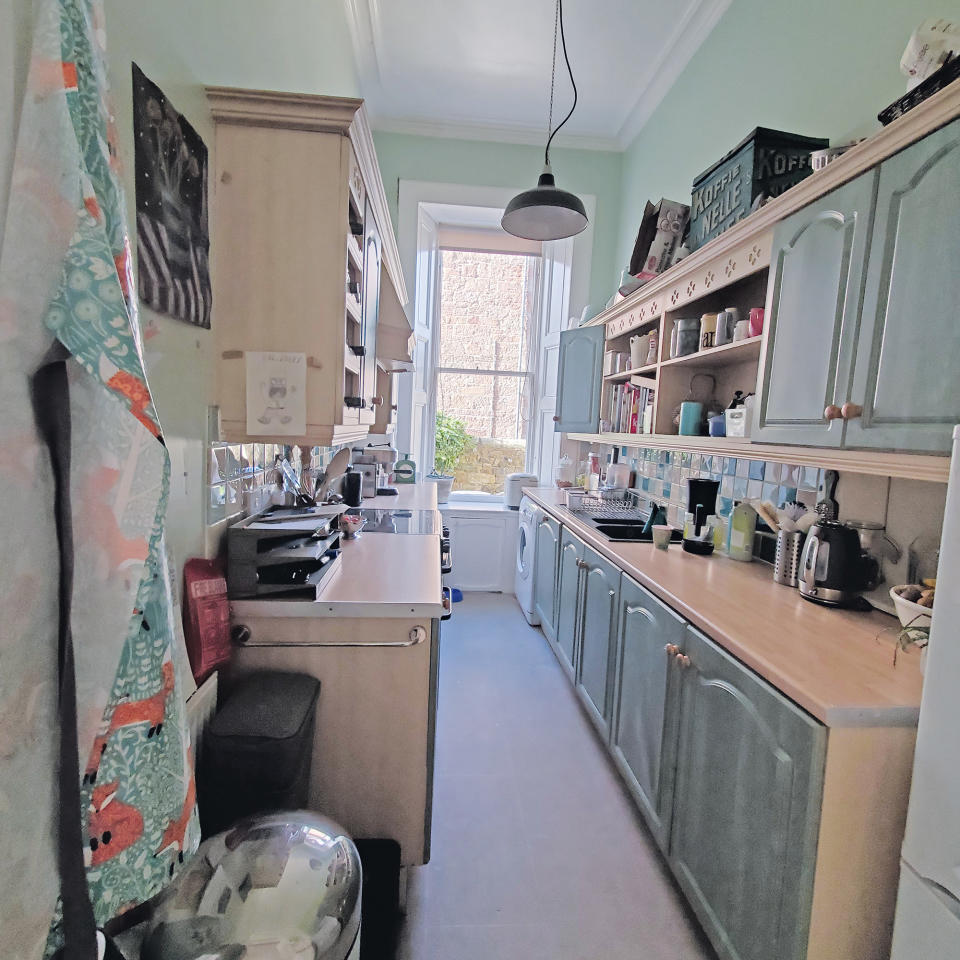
911, 614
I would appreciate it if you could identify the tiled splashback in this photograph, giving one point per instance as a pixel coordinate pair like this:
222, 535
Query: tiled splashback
234, 469
662, 475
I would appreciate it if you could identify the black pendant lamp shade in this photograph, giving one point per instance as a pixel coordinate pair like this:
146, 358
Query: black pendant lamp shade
546, 212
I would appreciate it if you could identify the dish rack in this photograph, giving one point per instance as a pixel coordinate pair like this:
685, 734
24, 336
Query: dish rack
621, 509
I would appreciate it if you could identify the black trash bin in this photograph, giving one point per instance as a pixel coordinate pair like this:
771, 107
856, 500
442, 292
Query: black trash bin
257, 749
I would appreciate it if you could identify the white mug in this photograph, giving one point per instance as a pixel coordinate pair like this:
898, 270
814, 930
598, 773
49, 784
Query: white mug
741, 331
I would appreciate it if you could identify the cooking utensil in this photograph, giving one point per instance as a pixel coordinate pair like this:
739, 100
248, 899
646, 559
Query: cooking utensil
827, 506
336, 469
769, 514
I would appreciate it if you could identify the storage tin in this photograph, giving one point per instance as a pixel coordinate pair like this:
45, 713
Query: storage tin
766, 161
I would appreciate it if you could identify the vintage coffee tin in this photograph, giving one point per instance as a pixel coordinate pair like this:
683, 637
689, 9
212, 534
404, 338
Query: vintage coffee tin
766, 161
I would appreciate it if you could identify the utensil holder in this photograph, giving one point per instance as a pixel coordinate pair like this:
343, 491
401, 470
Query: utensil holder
786, 564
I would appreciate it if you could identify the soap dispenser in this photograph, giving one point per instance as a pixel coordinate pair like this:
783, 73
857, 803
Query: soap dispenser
743, 525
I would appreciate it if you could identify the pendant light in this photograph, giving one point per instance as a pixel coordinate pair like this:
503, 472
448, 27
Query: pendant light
546, 212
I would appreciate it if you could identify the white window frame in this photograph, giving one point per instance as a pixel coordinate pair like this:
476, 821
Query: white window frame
435, 200
529, 375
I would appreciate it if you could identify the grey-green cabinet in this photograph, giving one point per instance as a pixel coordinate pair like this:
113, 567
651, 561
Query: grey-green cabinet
813, 307
568, 600
749, 778
643, 727
862, 307
580, 377
908, 353
598, 625
547, 551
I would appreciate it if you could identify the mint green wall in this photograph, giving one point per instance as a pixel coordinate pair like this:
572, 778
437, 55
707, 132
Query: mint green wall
482, 163
815, 67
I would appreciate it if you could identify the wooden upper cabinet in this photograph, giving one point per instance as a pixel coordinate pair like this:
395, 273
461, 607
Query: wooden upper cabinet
908, 354
300, 228
813, 309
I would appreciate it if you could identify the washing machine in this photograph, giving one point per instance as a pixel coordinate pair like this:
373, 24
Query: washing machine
530, 515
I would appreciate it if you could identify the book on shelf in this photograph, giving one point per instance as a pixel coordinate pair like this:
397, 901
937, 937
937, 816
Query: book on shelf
630, 408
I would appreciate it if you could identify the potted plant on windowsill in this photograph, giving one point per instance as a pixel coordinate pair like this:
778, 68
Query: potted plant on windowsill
451, 441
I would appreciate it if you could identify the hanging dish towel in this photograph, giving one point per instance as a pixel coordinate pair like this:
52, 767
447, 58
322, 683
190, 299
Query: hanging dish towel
66, 279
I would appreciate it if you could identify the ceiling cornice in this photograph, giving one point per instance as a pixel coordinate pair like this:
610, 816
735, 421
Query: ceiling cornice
690, 32
496, 133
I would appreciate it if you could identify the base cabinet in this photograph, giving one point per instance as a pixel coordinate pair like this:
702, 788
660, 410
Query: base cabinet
598, 625
545, 575
749, 780
568, 600
643, 732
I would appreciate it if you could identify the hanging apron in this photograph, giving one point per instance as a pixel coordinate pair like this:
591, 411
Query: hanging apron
86, 589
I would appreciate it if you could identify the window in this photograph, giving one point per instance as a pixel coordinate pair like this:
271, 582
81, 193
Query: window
485, 354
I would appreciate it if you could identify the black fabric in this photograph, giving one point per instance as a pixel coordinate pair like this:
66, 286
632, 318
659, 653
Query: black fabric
50, 394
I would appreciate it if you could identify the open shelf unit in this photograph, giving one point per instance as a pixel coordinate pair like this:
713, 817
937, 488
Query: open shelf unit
730, 367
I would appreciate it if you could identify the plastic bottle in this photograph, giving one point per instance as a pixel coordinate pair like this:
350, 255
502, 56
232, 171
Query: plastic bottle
743, 525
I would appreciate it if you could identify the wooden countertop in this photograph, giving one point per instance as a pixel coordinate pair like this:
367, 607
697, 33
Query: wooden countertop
392, 575
836, 664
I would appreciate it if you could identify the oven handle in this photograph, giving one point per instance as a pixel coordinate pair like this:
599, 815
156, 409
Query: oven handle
447, 603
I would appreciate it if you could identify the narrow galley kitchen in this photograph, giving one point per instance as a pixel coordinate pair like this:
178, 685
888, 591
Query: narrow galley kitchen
537, 850
483, 480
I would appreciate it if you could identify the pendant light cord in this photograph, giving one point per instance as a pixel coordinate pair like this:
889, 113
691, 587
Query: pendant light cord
563, 44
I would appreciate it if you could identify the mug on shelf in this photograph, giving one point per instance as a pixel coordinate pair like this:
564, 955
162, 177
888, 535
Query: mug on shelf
708, 330
756, 321
741, 331
724, 328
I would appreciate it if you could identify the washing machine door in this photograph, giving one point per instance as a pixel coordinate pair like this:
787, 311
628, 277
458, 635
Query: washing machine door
525, 549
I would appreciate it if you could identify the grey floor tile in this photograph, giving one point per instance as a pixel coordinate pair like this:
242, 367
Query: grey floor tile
537, 850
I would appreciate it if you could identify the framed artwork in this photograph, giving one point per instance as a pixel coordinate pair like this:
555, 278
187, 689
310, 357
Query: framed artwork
173, 238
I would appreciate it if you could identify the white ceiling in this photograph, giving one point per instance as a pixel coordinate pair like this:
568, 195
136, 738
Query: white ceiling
481, 68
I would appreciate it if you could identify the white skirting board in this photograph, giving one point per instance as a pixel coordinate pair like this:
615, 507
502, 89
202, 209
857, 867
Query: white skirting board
484, 543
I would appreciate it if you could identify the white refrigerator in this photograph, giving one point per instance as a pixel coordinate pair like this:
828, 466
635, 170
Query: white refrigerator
927, 925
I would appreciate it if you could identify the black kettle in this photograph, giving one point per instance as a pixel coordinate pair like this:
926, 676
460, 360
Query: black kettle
831, 567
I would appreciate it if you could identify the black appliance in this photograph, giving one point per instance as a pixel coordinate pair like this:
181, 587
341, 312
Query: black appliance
832, 568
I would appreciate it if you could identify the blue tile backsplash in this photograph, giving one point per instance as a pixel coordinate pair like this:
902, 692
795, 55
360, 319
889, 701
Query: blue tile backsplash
663, 474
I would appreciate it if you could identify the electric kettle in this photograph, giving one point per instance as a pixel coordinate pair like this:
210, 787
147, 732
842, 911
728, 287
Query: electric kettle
831, 568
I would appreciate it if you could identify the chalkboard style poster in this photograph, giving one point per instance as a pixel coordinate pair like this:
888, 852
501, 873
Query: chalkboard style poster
173, 240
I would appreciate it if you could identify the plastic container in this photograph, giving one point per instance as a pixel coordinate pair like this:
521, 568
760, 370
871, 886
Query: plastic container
743, 525
717, 426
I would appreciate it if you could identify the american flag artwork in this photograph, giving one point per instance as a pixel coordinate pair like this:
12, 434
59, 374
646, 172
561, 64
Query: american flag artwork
173, 240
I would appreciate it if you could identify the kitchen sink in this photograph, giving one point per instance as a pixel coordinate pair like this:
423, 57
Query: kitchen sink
632, 532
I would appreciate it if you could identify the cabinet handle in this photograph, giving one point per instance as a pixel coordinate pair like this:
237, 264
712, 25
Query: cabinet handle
644, 612
582, 564
556, 418
832, 412
671, 649
851, 411
684, 660
376, 401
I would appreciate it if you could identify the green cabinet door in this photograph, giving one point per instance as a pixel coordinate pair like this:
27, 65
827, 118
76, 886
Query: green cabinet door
908, 355
643, 727
579, 379
568, 600
547, 549
747, 796
813, 308
601, 589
